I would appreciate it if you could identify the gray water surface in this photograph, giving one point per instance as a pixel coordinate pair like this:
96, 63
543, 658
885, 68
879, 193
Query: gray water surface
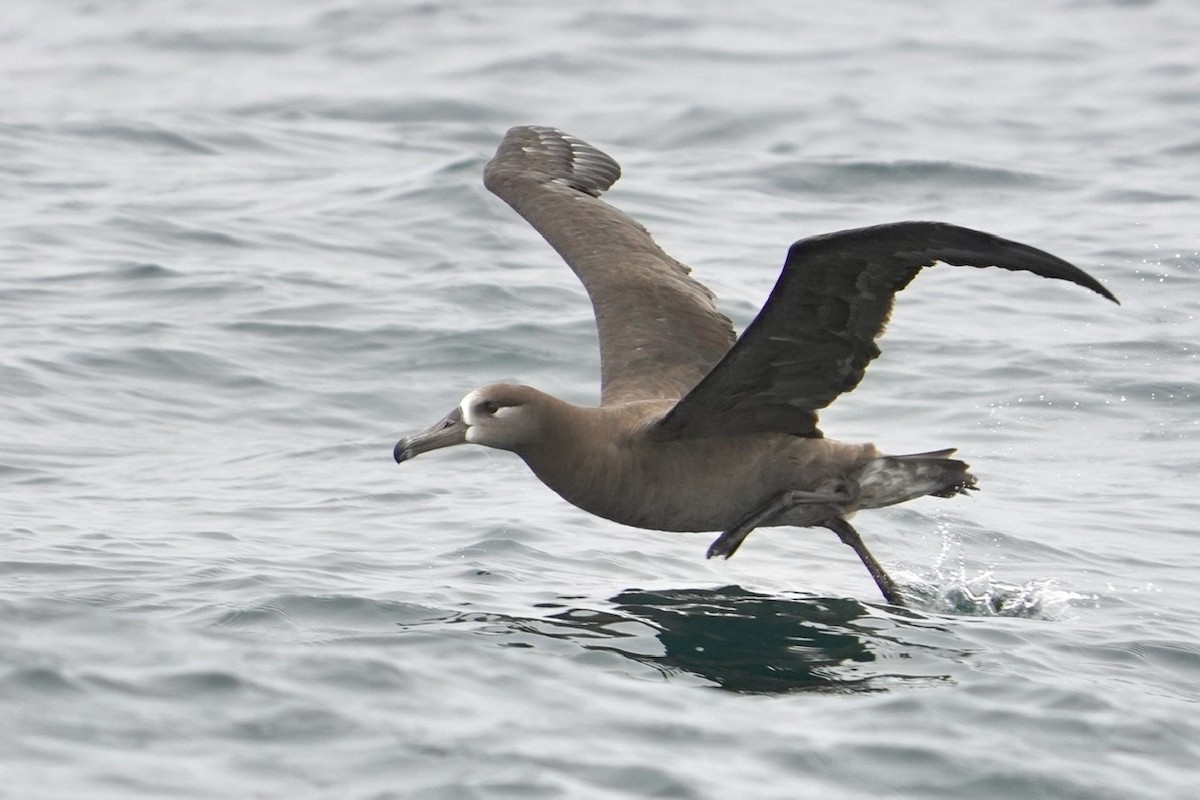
246, 246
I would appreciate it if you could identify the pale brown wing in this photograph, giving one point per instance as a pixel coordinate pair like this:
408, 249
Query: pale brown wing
660, 332
815, 336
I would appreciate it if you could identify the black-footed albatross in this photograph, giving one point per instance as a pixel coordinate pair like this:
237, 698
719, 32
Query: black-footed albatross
697, 429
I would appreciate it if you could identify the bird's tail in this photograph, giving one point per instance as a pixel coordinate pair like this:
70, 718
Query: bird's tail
888, 480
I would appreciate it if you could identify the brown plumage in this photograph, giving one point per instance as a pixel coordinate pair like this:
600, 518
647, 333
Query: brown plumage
697, 430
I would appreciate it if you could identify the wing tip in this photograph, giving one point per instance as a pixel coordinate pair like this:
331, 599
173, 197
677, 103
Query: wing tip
550, 155
957, 245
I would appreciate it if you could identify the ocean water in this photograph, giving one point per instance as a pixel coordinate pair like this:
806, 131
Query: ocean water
245, 246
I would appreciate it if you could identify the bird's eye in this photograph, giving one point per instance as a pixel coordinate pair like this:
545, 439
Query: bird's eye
489, 406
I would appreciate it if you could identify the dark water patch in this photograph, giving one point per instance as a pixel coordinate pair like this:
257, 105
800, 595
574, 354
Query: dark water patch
698, 126
331, 339
632, 25
1143, 196
747, 642
119, 272
17, 567
144, 271
20, 682
853, 177
297, 724
198, 685
141, 136
23, 473
561, 62
359, 672
171, 365
20, 383
220, 536
408, 110
262, 41
156, 231
324, 310
1190, 147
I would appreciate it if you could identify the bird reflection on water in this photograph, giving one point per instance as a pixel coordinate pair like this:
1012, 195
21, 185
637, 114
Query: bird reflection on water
747, 642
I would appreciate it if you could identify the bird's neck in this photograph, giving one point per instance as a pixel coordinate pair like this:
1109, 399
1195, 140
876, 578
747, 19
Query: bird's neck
589, 456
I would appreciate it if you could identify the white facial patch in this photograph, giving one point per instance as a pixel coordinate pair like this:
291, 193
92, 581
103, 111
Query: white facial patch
484, 426
466, 408
470, 409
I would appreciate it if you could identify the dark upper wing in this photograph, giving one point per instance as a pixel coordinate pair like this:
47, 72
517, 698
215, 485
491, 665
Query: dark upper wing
659, 330
815, 336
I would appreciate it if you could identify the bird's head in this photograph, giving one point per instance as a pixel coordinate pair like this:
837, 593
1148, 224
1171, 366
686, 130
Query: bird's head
500, 415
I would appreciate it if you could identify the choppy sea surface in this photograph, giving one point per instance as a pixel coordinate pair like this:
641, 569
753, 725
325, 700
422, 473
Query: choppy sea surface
245, 246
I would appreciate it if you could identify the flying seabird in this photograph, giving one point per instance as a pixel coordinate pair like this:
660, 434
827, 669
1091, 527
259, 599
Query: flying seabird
697, 429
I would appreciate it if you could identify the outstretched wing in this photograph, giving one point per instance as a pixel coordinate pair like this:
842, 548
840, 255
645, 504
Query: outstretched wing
660, 332
815, 336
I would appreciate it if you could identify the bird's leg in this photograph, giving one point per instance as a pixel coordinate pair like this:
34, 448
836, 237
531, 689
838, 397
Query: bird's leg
728, 542
849, 536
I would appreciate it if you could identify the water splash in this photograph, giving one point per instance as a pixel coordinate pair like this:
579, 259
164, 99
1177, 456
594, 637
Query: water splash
950, 587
